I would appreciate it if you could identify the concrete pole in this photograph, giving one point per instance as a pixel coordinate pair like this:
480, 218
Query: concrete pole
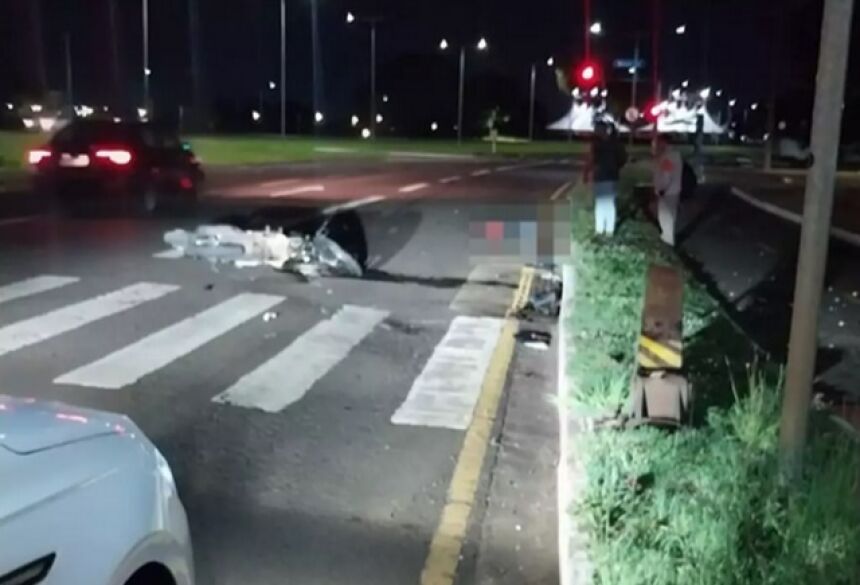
461, 95
532, 103
815, 231
283, 67
373, 79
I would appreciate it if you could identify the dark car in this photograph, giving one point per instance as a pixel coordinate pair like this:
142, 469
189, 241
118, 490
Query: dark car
136, 166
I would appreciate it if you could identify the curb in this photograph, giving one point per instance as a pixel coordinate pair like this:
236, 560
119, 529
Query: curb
574, 566
838, 233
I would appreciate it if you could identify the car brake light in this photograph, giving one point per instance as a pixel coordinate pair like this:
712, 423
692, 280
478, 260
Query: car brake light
37, 155
117, 156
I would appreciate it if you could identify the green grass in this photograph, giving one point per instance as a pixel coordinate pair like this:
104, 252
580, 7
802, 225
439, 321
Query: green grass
704, 505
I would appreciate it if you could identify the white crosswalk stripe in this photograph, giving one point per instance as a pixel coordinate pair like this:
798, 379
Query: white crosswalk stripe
445, 393
131, 363
32, 286
59, 321
287, 377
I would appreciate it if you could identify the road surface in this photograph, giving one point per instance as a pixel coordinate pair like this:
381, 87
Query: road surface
306, 444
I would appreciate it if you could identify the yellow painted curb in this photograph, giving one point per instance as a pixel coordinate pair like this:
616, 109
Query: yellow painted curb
440, 567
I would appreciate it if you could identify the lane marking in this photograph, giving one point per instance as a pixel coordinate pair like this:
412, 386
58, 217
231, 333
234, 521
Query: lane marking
289, 375
561, 191
17, 220
32, 286
443, 558
171, 254
59, 321
274, 183
507, 168
432, 155
131, 363
353, 204
413, 188
481, 173
298, 190
445, 392
453, 179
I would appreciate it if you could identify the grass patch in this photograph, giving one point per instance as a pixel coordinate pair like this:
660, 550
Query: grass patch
704, 505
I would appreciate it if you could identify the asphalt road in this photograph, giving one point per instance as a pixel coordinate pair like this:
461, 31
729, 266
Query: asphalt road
282, 433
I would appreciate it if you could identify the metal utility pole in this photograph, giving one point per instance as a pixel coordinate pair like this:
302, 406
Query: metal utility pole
373, 78
70, 100
775, 50
461, 95
815, 231
532, 103
146, 70
283, 67
199, 109
317, 62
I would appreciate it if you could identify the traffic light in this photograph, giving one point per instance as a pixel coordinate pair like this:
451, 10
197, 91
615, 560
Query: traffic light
588, 74
653, 111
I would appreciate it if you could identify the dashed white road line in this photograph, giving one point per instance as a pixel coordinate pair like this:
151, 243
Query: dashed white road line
131, 363
413, 188
453, 179
68, 318
481, 172
32, 286
507, 168
353, 204
560, 191
298, 190
288, 376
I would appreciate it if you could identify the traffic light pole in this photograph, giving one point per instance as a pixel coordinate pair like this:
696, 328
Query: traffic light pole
815, 231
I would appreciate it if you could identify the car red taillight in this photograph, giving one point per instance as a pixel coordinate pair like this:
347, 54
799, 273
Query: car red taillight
37, 155
118, 156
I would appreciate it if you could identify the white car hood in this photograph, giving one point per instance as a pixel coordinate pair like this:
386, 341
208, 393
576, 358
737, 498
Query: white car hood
27, 426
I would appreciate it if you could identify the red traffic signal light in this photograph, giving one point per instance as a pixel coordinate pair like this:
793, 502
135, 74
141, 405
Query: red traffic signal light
653, 111
588, 74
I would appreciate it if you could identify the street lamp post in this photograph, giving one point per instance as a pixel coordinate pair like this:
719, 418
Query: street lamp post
146, 69
283, 67
481, 46
372, 22
533, 81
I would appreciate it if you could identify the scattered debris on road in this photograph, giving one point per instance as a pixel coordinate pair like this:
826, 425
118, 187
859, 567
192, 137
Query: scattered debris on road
545, 298
534, 339
308, 255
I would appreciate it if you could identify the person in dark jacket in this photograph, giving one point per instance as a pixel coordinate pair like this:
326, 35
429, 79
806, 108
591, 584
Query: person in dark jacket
608, 156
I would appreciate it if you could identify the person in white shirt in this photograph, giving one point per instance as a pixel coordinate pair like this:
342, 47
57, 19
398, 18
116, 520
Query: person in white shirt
668, 182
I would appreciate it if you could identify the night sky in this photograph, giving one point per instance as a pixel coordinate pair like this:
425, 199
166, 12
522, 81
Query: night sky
728, 46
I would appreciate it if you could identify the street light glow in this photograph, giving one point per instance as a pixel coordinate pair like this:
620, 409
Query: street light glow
350, 17
434, 126
444, 44
604, 93
365, 133
705, 93
379, 118
681, 29
142, 113
354, 121
319, 117
36, 108
550, 62
596, 28
632, 71
754, 106
733, 103
147, 71
594, 92
685, 84
272, 85
9, 106
385, 98
482, 44
255, 115
719, 93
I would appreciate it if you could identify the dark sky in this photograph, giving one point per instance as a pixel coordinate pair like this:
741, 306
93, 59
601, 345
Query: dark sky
727, 45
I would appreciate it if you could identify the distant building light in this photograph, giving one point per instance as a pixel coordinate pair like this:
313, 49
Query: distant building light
255, 115
604, 93
705, 93
782, 125
681, 30
365, 133
350, 17
29, 123
10, 106
379, 118
733, 103
632, 71
443, 44
104, 108
482, 44
594, 92
142, 113
596, 28
147, 71
319, 117
36, 108
434, 126
354, 121
385, 98
719, 93
685, 84
46, 123
754, 106
550, 62
272, 85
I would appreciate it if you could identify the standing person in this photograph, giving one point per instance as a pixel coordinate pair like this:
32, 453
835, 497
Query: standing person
608, 156
668, 182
